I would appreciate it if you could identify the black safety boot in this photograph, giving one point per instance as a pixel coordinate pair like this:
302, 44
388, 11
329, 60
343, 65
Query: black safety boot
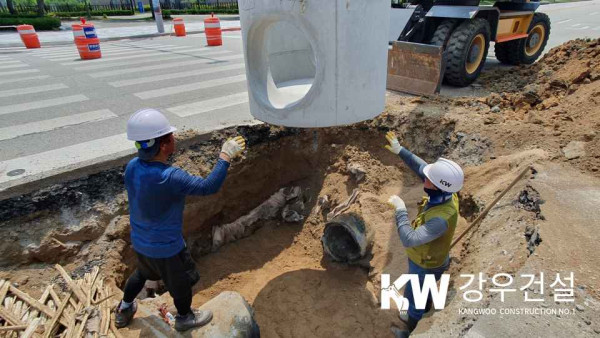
196, 318
124, 317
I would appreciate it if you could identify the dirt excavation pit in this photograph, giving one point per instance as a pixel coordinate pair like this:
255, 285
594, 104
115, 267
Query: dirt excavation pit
283, 192
278, 199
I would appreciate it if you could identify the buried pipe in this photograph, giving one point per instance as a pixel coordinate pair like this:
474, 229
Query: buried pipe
347, 238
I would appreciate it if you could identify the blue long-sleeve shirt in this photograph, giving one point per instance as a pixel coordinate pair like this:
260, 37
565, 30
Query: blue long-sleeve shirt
156, 193
433, 228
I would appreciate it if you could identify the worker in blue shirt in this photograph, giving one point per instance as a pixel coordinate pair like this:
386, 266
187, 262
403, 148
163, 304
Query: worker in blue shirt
156, 192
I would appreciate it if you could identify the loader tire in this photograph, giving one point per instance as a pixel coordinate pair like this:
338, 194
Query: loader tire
442, 32
529, 49
466, 52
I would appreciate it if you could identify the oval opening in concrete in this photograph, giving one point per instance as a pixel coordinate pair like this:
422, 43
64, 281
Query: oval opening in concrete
291, 64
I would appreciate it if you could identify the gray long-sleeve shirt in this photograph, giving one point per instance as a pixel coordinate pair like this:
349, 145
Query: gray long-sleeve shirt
433, 228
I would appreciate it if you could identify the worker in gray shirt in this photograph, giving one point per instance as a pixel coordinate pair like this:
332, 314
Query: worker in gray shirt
427, 239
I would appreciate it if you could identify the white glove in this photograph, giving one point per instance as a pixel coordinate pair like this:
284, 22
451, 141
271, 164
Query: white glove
233, 147
393, 146
396, 202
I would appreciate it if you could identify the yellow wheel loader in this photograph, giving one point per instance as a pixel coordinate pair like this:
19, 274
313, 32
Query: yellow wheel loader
435, 40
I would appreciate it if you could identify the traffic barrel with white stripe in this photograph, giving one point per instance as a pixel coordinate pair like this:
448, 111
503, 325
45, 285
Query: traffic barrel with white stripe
179, 27
212, 29
28, 36
88, 44
77, 31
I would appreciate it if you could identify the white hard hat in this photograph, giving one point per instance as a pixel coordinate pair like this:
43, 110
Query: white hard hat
445, 174
148, 124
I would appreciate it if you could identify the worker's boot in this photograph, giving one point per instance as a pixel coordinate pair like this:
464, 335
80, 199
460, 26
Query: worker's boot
124, 317
196, 318
411, 323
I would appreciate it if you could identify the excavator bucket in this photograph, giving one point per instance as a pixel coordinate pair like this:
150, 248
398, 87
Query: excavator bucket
415, 68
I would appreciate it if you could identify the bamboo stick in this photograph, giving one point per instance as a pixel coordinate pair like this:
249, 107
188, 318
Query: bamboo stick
13, 328
491, 205
57, 315
76, 288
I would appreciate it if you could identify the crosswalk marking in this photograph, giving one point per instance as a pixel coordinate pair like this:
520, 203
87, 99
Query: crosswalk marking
56, 123
9, 62
66, 52
21, 79
32, 90
178, 75
106, 53
23, 71
137, 55
15, 108
152, 58
205, 106
12, 66
166, 66
47, 163
188, 87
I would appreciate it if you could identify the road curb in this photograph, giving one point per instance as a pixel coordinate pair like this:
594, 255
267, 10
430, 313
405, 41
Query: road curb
117, 38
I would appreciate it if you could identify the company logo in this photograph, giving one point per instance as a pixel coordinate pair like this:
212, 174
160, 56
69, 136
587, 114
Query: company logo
420, 292
446, 183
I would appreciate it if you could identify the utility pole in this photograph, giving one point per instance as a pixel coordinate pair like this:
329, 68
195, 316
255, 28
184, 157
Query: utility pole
158, 16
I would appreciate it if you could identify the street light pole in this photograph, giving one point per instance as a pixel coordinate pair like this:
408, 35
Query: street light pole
158, 16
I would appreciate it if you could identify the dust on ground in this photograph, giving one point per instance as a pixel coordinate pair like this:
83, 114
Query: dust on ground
545, 115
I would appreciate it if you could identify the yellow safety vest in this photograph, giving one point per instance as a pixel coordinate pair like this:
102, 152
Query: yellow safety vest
433, 254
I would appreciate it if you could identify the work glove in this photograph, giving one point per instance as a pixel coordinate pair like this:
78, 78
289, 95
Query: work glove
393, 146
234, 146
396, 202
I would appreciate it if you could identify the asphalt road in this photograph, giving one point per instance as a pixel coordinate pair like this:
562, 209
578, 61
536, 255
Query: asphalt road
58, 113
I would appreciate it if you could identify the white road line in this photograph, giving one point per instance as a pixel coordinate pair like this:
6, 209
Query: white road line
24, 71
62, 53
140, 54
563, 21
5, 62
140, 70
151, 58
32, 90
575, 25
205, 106
48, 163
22, 65
597, 28
112, 53
20, 79
151, 94
15, 108
179, 75
593, 13
56, 123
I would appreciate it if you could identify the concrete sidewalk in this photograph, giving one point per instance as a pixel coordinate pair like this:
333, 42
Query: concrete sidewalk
107, 33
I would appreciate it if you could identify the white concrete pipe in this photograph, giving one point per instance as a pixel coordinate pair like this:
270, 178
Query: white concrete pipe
314, 63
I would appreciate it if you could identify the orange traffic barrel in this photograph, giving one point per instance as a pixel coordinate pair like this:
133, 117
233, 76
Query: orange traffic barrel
88, 48
86, 40
179, 27
212, 29
77, 31
28, 36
